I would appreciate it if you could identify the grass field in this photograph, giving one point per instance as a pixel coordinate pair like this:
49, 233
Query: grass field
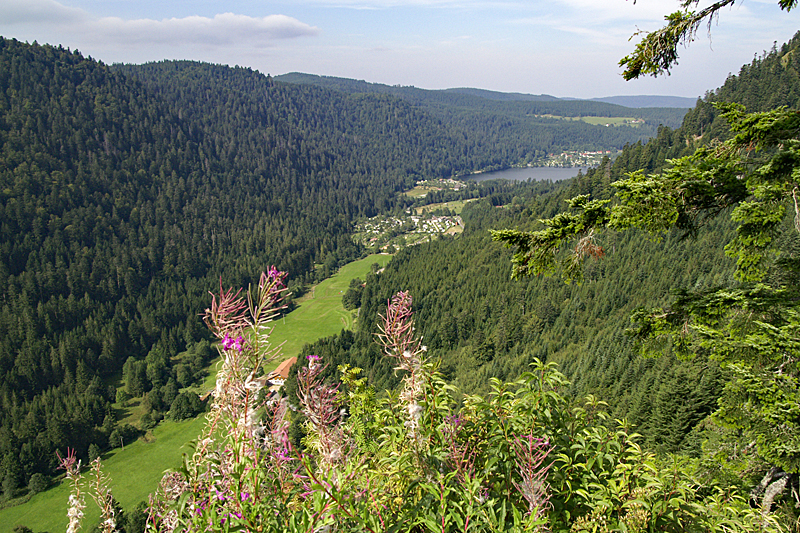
613, 121
600, 121
418, 192
320, 312
136, 470
457, 206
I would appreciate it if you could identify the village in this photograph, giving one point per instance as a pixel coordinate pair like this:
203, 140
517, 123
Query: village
576, 158
392, 233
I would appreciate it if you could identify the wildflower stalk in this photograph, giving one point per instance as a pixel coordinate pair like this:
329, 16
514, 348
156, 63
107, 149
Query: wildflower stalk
215, 479
242, 325
531, 455
321, 404
72, 465
399, 340
101, 494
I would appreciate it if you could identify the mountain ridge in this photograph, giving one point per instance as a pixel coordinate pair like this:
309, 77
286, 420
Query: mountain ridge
645, 100
633, 101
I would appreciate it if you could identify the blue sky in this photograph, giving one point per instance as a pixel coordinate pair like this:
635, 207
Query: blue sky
565, 48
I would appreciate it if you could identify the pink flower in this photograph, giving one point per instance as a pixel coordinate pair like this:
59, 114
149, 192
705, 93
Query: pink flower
229, 343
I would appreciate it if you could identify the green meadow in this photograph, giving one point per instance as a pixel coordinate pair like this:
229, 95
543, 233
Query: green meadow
418, 192
457, 206
601, 121
320, 312
612, 121
136, 470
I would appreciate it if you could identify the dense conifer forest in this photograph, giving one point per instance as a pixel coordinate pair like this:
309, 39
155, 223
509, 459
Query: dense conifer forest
477, 109
481, 324
129, 191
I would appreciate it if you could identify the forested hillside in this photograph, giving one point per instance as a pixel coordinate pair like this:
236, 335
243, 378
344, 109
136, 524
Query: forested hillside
129, 191
483, 324
473, 107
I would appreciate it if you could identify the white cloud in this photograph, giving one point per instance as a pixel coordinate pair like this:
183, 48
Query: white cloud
114, 32
222, 29
40, 12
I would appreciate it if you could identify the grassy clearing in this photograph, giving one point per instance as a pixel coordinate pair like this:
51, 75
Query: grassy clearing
457, 206
320, 312
136, 470
418, 192
601, 121
611, 121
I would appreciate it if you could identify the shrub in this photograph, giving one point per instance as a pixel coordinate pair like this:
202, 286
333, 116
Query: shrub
37, 483
523, 458
94, 451
186, 405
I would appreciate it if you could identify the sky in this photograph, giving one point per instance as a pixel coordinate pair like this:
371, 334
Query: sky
564, 48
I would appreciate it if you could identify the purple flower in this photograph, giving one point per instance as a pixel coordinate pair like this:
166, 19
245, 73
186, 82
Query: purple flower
229, 343
238, 344
454, 421
275, 277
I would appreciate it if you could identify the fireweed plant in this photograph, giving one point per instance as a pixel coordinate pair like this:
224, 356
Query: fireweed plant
421, 459
97, 487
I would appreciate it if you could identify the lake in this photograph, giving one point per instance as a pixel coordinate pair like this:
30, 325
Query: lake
526, 173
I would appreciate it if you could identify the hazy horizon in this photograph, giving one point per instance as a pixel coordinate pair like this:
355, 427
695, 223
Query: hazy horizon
566, 48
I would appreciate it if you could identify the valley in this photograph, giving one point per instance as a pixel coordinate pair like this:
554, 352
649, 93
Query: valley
131, 191
136, 469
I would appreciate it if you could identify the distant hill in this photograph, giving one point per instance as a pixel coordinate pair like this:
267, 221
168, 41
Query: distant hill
361, 86
504, 97
640, 101
635, 102
459, 97
493, 104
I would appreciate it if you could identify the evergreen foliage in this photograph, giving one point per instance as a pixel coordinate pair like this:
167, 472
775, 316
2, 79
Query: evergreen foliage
185, 405
520, 458
657, 52
128, 190
748, 326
